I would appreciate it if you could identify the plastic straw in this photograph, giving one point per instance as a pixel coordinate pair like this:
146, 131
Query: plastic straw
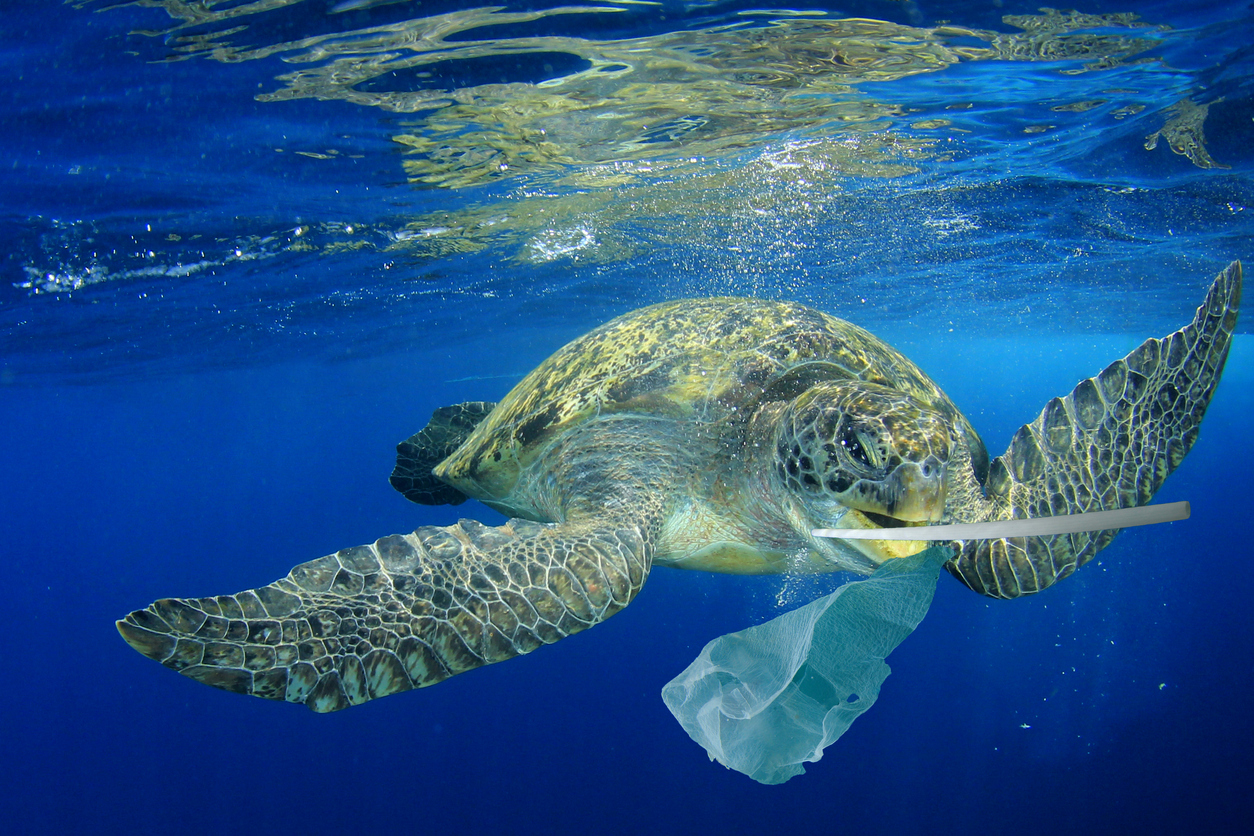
1034, 527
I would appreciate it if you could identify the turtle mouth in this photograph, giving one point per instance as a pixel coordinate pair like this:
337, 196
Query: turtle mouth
873, 553
884, 521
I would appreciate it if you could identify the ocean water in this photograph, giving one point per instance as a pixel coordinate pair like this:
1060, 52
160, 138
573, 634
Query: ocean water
249, 246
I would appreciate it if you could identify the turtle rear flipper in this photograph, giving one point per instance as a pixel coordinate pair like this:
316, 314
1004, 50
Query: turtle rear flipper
404, 612
1109, 444
415, 456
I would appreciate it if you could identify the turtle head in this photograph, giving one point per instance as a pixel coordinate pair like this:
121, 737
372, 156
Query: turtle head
860, 455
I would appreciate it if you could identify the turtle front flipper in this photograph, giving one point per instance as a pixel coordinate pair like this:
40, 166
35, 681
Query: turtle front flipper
404, 612
1109, 444
415, 456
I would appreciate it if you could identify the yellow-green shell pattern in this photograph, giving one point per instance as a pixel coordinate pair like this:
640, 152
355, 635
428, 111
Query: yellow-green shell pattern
708, 361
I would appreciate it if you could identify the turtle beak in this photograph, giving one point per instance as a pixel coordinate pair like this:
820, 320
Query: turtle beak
916, 491
913, 492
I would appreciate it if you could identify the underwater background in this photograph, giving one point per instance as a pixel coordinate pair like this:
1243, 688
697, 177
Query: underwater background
249, 246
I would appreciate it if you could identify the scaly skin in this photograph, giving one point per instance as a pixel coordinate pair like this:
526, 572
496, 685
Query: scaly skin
403, 612
1109, 444
410, 611
684, 433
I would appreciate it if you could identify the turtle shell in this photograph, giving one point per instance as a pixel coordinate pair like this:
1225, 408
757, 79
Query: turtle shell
708, 361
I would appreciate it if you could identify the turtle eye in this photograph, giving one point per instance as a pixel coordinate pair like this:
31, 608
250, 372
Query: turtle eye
872, 447
860, 445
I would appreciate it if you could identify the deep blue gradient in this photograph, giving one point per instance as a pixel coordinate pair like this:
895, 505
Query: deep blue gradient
195, 433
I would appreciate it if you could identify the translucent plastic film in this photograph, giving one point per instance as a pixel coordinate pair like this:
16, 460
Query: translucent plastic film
765, 700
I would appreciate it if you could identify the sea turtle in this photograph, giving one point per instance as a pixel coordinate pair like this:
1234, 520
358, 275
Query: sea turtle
709, 434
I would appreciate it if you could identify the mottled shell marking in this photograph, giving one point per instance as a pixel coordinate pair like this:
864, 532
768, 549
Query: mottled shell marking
709, 361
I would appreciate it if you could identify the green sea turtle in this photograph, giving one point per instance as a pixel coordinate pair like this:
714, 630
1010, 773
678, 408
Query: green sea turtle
709, 434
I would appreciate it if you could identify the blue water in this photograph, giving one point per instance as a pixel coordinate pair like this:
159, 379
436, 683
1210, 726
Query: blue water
225, 297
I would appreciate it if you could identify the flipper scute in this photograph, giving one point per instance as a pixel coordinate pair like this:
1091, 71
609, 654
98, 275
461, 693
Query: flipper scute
1109, 444
415, 456
404, 612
